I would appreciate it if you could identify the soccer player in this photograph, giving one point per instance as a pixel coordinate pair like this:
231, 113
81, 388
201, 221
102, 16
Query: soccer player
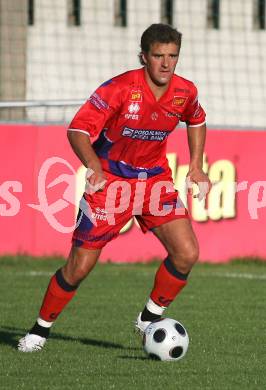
132, 115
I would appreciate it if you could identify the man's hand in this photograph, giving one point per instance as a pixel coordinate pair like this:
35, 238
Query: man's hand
96, 180
200, 178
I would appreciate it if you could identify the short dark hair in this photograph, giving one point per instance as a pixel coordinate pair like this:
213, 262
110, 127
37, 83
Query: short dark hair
158, 32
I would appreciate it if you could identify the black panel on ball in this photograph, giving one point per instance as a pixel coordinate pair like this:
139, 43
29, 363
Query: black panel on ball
176, 352
159, 335
153, 356
180, 329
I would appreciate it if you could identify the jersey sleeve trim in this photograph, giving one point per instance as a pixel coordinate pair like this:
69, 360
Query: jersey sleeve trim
198, 125
80, 131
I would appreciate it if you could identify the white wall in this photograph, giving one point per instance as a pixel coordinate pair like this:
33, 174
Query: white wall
228, 65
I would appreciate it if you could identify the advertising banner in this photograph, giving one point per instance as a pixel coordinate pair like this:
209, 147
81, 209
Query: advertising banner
42, 181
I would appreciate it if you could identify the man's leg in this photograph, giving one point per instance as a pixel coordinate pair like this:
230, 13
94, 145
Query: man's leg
178, 238
60, 291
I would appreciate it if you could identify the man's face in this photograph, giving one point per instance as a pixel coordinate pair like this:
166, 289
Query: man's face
161, 61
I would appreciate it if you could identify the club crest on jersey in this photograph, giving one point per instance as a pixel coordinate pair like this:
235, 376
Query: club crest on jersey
154, 116
179, 101
136, 96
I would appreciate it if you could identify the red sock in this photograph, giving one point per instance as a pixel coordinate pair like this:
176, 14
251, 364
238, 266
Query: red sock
168, 283
57, 296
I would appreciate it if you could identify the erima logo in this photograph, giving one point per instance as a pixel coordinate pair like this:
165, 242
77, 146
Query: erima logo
165, 301
133, 108
99, 214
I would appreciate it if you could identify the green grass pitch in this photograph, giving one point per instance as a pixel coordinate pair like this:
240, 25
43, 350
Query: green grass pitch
93, 345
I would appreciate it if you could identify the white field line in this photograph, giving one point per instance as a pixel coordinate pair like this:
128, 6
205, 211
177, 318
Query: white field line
33, 273
38, 273
236, 275
231, 275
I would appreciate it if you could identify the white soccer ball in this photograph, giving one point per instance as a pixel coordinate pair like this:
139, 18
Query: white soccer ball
165, 339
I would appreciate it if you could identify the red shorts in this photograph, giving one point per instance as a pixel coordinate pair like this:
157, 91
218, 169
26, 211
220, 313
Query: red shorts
103, 214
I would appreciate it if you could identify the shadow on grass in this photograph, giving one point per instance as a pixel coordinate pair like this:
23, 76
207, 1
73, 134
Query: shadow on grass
9, 336
127, 357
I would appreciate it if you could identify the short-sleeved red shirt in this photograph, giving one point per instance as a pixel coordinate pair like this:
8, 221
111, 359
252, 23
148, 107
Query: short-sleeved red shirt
132, 126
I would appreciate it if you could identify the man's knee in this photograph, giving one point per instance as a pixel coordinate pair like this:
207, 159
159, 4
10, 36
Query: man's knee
79, 273
184, 259
79, 265
74, 274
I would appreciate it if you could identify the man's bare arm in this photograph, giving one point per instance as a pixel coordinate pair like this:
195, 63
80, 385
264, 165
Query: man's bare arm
196, 142
81, 145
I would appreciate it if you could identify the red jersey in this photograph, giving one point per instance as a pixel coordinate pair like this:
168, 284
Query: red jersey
132, 126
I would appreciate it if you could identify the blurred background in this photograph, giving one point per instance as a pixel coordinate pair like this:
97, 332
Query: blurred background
54, 53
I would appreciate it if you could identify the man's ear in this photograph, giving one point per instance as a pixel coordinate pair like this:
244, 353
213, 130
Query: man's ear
143, 58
